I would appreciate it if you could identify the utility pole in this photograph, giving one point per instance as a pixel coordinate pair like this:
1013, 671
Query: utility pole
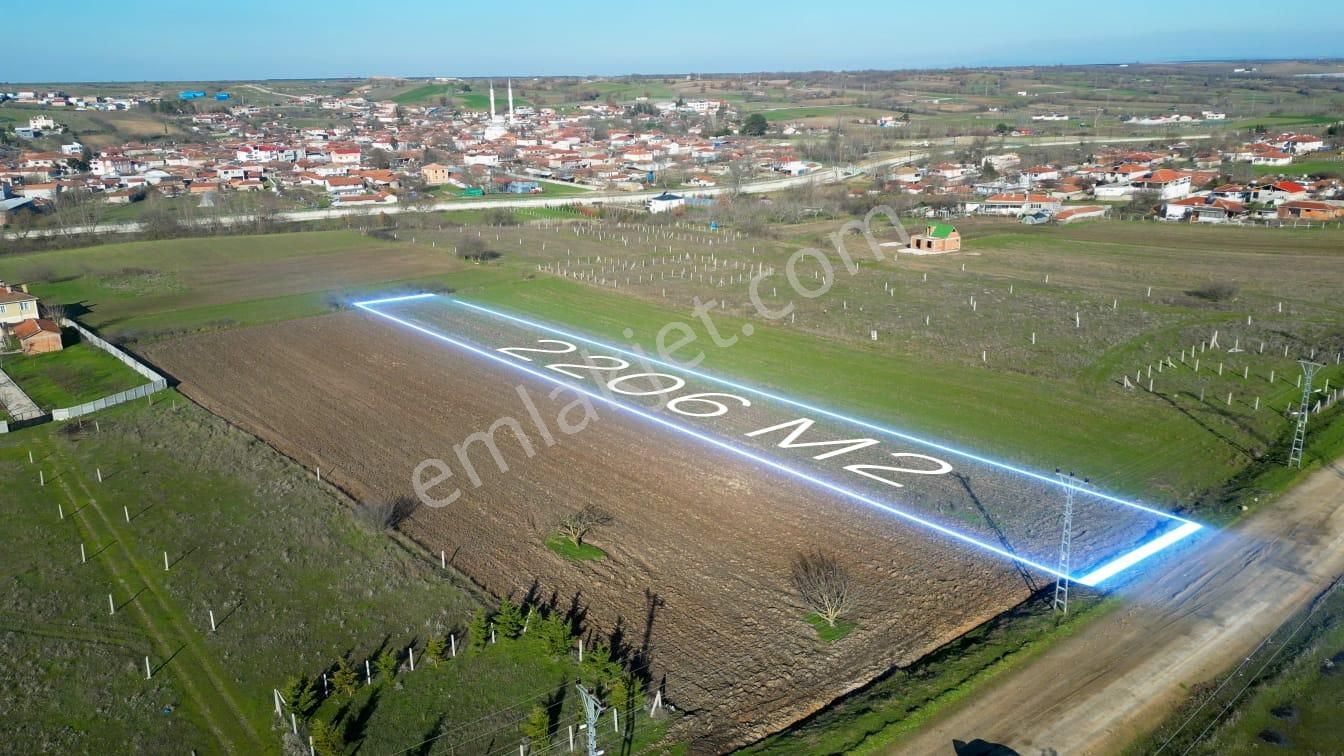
1309, 369
592, 709
1061, 603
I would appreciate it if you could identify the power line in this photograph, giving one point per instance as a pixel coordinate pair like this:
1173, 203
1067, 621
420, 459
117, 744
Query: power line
1233, 674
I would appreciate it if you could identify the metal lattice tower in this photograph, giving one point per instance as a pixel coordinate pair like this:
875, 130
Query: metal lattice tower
1309, 369
1061, 603
592, 709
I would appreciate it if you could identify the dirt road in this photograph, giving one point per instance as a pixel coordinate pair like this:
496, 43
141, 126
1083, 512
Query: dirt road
1095, 692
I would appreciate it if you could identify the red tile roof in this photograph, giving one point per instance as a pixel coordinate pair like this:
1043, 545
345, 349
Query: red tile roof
27, 329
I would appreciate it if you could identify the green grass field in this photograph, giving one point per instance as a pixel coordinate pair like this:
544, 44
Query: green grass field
775, 115
1281, 120
1313, 166
473, 704
293, 579
429, 94
932, 379
77, 374
827, 633
145, 290
548, 189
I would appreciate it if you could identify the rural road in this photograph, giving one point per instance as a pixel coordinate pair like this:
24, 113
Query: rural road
1117, 678
272, 92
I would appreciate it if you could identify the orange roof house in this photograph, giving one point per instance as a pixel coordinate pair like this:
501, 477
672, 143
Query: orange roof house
38, 336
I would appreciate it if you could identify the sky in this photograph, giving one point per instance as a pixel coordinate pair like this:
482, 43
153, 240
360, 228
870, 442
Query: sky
198, 40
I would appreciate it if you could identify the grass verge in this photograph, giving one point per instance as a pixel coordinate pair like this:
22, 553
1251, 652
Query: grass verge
293, 580
1295, 683
901, 701
77, 374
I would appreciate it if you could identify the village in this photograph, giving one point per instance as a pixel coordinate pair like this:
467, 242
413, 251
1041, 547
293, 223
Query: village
389, 153
376, 153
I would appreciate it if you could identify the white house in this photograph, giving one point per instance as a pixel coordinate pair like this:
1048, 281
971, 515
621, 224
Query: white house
74, 149
1001, 162
112, 165
1167, 183
16, 305
950, 171
1180, 209
345, 155
1043, 173
1113, 192
1279, 191
666, 202
1299, 143
481, 158
1019, 204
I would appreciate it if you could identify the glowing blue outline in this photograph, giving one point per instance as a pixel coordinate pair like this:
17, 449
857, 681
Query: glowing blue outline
820, 410
1093, 578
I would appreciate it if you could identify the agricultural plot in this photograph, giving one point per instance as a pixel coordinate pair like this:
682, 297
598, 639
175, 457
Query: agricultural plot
1042, 322
697, 564
146, 290
949, 492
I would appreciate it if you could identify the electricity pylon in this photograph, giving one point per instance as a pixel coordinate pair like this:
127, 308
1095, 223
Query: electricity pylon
1061, 603
592, 709
1309, 369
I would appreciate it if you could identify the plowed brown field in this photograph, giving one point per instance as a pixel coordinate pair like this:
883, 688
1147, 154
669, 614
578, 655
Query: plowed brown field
698, 566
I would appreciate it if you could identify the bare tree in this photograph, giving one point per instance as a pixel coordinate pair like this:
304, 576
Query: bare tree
739, 171
52, 311
575, 525
77, 211
823, 583
388, 513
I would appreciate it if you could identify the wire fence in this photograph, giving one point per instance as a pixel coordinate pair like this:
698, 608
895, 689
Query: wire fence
156, 383
139, 392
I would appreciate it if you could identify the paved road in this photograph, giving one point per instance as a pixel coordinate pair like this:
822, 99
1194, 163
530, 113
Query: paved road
1095, 692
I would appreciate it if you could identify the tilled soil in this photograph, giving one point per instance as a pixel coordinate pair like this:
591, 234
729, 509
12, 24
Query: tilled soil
698, 556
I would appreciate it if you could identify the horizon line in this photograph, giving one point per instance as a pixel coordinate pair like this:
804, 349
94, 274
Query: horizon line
721, 73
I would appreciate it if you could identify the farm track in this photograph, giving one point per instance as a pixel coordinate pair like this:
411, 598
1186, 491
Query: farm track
1097, 691
177, 644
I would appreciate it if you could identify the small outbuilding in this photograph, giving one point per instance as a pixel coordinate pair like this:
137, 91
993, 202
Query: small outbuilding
38, 336
937, 237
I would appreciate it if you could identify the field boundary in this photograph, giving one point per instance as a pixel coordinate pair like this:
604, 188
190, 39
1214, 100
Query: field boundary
156, 382
1112, 565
